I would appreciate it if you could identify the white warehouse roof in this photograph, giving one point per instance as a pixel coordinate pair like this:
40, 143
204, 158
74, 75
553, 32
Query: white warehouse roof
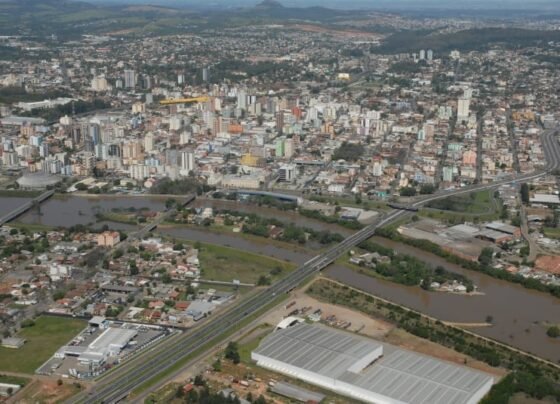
368, 370
112, 340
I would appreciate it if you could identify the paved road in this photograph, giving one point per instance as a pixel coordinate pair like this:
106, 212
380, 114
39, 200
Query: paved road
123, 380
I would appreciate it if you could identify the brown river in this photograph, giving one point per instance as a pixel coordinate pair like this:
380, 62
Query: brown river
518, 313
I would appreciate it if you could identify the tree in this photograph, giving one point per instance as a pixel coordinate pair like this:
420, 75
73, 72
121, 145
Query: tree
263, 280
217, 366
553, 332
408, 191
260, 400
59, 382
485, 257
27, 323
525, 193
199, 380
232, 352
427, 189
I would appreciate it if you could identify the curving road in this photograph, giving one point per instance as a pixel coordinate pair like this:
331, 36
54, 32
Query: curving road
128, 376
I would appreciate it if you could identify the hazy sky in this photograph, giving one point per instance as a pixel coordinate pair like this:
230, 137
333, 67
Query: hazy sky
391, 4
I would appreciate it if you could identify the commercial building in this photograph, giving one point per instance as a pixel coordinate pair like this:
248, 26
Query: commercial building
109, 343
368, 370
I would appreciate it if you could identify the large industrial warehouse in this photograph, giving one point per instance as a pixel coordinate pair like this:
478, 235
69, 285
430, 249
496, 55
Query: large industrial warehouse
367, 370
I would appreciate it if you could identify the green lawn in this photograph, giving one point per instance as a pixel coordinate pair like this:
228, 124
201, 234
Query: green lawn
551, 232
249, 346
22, 381
225, 264
43, 339
475, 203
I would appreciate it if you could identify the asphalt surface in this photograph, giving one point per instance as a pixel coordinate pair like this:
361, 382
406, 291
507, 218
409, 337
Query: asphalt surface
129, 376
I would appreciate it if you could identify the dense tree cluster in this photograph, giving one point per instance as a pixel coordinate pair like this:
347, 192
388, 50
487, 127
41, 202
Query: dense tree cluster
411, 271
430, 247
349, 152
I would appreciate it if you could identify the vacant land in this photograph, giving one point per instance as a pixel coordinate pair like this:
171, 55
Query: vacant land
476, 203
226, 264
43, 339
47, 392
403, 339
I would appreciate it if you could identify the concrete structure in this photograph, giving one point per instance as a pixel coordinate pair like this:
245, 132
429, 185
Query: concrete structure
13, 342
545, 199
353, 366
109, 343
297, 393
38, 180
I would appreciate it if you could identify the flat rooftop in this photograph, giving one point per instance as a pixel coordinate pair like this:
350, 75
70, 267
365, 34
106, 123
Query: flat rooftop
399, 375
317, 349
112, 337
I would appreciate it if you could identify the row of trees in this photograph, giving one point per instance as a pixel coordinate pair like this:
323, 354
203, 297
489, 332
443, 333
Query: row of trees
483, 265
408, 270
534, 378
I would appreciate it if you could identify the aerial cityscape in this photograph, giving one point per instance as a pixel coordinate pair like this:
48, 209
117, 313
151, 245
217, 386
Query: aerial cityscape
280, 202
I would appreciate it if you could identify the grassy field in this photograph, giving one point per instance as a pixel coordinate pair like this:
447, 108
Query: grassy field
18, 193
551, 232
351, 202
32, 227
22, 381
475, 203
478, 206
225, 264
43, 339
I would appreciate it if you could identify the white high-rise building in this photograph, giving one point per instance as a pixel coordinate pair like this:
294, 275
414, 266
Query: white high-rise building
187, 162
99, 84
242, 100
430, 54
184, 138
289, 148
129, 78
422, 54
463, 108
175, 123
149, 142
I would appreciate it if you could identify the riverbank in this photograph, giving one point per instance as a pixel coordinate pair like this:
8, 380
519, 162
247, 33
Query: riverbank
489, 351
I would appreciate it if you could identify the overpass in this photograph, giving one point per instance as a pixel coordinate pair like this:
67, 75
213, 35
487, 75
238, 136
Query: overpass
162, 218
139, 370
25, 207
275, 195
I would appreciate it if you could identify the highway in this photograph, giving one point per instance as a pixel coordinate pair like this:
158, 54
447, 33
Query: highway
128, 376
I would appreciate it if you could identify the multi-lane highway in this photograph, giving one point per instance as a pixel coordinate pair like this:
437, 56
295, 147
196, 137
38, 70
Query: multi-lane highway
130, 375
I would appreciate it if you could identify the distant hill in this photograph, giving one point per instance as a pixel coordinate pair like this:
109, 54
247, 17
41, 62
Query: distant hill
274, 9
269, 4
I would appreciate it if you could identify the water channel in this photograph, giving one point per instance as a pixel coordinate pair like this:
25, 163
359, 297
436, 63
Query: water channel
517, 312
